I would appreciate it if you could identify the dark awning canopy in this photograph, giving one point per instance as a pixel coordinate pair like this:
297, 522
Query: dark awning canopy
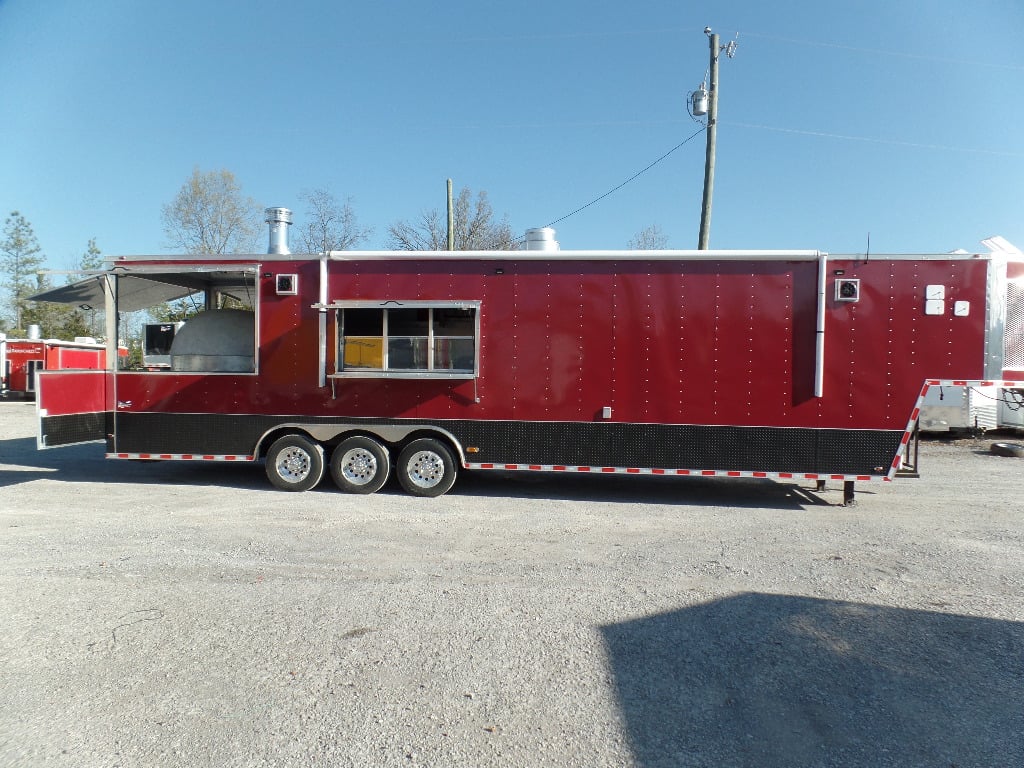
137, 291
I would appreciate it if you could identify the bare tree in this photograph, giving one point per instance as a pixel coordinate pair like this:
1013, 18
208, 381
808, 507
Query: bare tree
475, 228
330, 225
210, 215
649, 239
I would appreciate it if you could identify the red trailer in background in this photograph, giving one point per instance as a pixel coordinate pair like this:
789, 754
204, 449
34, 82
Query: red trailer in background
794, 365
21, 359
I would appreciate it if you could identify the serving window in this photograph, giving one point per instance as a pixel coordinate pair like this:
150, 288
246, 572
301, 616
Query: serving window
408, 339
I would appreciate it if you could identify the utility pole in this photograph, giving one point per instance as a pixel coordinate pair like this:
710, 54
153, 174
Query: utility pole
709, 157
451, 218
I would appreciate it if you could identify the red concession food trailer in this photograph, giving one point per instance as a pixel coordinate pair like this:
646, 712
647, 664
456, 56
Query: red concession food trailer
793, 365
21, 359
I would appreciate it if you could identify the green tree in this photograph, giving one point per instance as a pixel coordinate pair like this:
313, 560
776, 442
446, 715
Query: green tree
182, 309
330, 225
21, 259
91, 260
55, 321
475, 228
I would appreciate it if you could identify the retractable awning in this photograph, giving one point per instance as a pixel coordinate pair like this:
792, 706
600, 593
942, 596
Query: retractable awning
141, 291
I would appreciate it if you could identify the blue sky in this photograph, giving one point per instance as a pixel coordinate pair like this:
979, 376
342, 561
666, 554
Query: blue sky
903, 120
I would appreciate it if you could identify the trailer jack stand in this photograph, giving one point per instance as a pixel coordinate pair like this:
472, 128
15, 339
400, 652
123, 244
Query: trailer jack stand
820, 486
848, 495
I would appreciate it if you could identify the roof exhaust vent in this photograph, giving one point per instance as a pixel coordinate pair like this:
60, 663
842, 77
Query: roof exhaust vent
541, 239
279, 220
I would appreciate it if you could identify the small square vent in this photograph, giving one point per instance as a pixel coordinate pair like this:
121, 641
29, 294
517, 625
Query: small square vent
848, 289
287, 285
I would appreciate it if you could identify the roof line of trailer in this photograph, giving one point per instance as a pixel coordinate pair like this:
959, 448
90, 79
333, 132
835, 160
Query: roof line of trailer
631, 255
577, 255
560, 255
732, 255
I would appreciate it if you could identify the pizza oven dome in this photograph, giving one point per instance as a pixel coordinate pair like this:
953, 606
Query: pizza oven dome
219, 340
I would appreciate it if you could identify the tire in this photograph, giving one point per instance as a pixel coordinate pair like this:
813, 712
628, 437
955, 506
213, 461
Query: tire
360, 465
1007, 449
426, 468
295, 463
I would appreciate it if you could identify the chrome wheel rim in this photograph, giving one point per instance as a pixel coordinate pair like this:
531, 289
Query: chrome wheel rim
358, 466
294, 464
425, 469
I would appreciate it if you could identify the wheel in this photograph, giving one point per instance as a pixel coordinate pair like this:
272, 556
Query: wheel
360, 465
1007, 449
426, 467
295, 463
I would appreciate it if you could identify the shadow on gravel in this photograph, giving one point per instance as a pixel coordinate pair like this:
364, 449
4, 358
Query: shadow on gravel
87, 464
773, 680
649, 489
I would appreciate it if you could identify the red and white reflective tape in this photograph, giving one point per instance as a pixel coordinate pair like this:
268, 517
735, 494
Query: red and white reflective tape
1001, 383
928, 384
180, 457
669, 472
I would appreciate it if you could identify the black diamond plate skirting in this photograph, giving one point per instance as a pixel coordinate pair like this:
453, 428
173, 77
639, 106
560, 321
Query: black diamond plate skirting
596, 444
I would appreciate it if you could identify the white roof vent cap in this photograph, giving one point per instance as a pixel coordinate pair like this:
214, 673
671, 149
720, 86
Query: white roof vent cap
541, 239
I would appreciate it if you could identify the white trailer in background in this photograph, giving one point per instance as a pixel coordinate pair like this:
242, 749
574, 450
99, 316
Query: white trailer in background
1011, 410
960, 409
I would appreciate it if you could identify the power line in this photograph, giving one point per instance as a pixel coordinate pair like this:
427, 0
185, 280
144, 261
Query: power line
882, 51
891, 142
631, 178
674, 31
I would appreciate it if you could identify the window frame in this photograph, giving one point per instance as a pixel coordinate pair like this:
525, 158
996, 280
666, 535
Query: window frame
340, 371
207, 281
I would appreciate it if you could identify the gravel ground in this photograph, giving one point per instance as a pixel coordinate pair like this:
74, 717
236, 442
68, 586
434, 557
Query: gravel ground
180, 614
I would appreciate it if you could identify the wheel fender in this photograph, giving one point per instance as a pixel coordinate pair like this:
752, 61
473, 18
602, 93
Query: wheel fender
394, 434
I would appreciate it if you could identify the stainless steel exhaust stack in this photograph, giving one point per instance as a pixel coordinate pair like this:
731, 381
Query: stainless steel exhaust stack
541, 239
279, 220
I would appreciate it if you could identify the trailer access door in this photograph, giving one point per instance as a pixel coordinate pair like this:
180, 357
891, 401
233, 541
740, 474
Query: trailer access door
74, 407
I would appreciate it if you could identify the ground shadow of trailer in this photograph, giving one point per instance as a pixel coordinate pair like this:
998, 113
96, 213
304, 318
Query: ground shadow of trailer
674, 491
776, 680
86, 464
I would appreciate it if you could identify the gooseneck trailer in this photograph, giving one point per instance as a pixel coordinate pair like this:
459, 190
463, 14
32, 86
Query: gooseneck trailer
794, 365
